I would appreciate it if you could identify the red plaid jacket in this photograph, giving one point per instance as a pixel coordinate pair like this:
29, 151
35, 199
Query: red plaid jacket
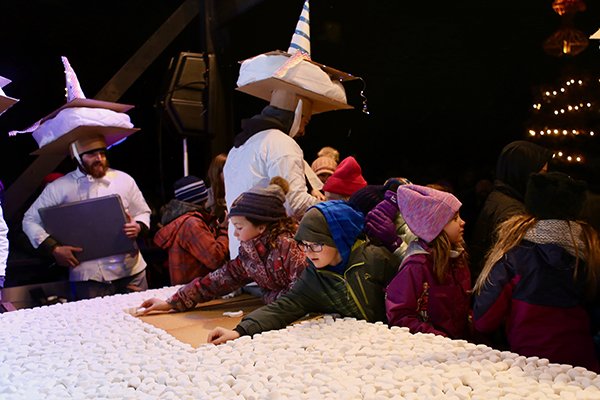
274, 269
195, 249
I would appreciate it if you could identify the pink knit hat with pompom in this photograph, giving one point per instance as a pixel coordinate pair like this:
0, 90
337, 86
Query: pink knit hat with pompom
426, 211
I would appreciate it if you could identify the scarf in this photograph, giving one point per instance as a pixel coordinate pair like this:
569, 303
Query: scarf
270, 118
557, 232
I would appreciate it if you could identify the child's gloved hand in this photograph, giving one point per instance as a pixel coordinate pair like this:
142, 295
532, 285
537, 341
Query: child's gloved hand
389, 205
378, 224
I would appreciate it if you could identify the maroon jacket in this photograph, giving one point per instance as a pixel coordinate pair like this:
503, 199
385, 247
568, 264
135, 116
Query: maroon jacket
417, 301
274, 269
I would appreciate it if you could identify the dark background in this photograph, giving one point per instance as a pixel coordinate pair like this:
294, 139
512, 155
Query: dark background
448, 83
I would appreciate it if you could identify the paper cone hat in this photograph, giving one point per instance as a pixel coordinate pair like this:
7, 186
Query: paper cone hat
55, 132
301, 38
295, 72
5, 101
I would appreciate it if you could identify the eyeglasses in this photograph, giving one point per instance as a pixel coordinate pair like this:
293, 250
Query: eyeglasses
314, 247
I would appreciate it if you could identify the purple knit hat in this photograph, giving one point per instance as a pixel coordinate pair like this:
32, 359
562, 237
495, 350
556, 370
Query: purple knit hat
262, 203
426, 211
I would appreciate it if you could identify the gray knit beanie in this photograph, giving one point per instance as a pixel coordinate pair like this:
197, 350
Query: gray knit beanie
314, 228
262, 203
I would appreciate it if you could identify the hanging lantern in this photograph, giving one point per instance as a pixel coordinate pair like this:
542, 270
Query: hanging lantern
566, 41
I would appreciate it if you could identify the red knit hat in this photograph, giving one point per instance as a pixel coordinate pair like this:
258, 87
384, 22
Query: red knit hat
346, 179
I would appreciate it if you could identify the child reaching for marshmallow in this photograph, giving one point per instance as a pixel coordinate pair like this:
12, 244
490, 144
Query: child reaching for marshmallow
346, 274
431, 292
268, 254
541, 276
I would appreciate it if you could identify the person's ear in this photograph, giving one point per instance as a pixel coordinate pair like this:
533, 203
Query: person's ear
262, 229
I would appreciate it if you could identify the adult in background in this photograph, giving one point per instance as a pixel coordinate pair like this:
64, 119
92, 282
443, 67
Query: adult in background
92, 179
84, 128
197, 242
296, 89
517, 161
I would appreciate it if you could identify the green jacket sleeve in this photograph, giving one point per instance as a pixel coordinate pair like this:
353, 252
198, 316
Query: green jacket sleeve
288, 308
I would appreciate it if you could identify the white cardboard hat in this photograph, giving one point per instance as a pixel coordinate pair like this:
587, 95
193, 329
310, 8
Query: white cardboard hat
6, 102
56, 140
294, 71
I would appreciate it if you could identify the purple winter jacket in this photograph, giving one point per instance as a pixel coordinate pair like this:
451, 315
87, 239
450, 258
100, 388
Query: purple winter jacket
416, 300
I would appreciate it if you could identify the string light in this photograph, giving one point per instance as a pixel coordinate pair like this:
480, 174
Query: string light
565, 132
567, 158
560, 102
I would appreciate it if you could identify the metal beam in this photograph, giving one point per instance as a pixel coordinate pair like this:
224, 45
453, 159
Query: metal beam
155, 45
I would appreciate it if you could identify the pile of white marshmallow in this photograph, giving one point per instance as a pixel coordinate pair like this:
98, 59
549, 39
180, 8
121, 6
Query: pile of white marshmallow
94, 349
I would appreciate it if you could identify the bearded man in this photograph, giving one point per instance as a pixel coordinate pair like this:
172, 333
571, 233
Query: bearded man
91, 179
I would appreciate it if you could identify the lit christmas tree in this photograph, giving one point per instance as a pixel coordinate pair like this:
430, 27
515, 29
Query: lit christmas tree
566, 119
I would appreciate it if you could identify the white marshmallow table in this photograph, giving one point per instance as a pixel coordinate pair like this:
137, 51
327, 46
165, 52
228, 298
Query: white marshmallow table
93, 349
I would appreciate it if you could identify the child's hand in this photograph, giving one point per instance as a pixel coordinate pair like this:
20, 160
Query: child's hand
379, 225
221, 335
155, 304
225, 222
389, 205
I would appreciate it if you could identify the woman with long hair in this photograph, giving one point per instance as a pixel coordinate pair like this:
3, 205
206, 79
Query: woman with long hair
541, 276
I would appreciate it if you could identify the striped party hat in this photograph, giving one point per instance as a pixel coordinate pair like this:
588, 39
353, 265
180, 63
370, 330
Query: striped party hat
73, 88
301, 38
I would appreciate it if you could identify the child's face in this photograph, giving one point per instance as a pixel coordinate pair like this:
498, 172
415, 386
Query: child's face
455, 229
244, 229
322, 258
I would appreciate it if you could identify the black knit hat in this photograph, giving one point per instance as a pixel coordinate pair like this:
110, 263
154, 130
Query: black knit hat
368, 197
554, 195
262, 203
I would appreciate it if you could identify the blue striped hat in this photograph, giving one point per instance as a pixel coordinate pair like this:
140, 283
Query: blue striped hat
301, 38
190, 189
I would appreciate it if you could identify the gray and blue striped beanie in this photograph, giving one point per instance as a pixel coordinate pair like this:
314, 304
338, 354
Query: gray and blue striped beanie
190, 189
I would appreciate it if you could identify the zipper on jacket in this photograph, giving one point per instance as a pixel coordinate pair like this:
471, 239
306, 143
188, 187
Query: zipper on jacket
362, 311
362, 288
349, 288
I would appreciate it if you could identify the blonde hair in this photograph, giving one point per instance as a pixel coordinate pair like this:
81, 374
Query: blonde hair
440, 255
511, 232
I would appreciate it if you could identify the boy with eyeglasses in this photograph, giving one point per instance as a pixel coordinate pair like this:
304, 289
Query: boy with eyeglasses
346, 274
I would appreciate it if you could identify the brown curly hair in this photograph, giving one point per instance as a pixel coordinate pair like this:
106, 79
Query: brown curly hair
276, 228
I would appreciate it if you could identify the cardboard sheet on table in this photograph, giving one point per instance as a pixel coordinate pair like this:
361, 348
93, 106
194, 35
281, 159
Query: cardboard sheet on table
193, 326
